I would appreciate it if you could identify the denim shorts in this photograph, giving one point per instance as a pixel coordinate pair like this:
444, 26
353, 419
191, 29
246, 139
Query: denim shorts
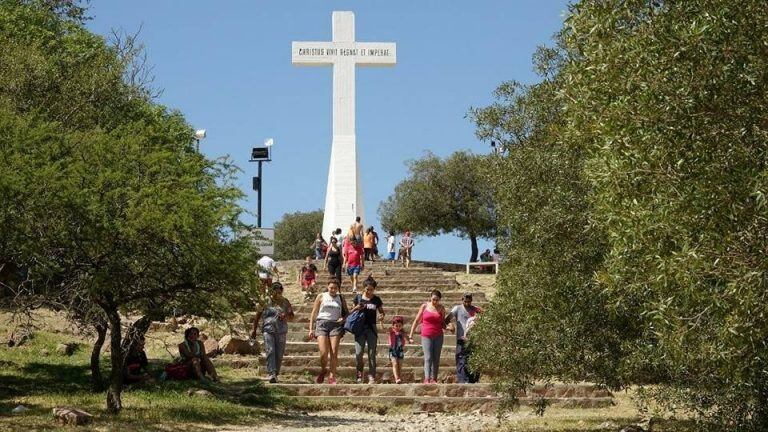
353, 270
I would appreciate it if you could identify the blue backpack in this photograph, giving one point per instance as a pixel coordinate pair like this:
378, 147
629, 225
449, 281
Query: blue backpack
355, 322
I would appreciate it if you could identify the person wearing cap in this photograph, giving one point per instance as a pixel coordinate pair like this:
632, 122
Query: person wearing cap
273, 315
406, 245
463, 314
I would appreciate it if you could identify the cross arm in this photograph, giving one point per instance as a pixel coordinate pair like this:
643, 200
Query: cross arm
376, 53
312, 53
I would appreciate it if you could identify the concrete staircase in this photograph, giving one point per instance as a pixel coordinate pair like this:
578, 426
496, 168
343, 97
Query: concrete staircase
402, 292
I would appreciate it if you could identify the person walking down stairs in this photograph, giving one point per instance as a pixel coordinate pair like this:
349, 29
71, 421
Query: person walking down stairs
353, 261
371, 305
391, 251
431, 316
462, 314
333, 260
406, 245
326, 324
307, 279
397, 347
273, 315
368, 243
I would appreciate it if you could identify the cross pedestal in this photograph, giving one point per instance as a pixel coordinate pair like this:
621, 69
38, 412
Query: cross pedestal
344, 195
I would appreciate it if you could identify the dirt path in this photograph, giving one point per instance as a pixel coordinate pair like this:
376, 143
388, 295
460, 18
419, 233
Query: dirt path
336, 421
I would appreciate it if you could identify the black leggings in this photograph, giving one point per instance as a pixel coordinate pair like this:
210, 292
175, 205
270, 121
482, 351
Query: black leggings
334, 269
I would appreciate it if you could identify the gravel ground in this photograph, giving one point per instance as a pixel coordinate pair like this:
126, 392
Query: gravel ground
336, 421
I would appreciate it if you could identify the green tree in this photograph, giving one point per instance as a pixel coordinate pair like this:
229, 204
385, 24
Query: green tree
108, 211
633, 191
669, 101
442, 197
549, 319
294, 234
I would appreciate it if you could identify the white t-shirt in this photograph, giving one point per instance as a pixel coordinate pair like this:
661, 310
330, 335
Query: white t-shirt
330, 307
267, 263
391, 244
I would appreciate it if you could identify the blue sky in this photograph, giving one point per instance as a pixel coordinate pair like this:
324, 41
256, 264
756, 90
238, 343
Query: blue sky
227, 66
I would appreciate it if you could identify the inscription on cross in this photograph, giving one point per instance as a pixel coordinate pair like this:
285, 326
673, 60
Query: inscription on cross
343, 198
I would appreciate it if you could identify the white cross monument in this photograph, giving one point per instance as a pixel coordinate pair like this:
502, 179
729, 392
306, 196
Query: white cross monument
343, 196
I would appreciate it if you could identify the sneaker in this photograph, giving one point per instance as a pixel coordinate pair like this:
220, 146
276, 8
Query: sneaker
432, 381
398, 381
371, 379
272, 379
320, 378
426, 381
332, 380
359, 378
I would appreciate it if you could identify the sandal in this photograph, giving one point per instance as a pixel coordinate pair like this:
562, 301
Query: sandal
332, 380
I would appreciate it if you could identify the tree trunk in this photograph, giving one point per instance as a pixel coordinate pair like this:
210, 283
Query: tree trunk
138, 329
473, 240
114, 403
97, 383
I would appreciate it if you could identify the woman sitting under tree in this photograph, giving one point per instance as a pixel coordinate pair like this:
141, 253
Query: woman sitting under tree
193, 355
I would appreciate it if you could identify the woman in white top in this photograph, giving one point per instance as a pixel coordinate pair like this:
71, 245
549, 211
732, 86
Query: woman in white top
328, 314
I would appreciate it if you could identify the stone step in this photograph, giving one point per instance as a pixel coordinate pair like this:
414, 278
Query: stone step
487, 405
324, 274
391, 310
553, 391
409, 390
382, 361
391, 270
450, 297
302, 323
304, 318
448, 397
346, 374
418, 404
347, 347
415, 291
449, 340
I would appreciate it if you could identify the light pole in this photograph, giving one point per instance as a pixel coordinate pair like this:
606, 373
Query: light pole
260, 154
199, 135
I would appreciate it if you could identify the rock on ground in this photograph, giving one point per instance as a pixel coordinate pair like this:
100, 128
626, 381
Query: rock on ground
72, 416
233, 345
66, 348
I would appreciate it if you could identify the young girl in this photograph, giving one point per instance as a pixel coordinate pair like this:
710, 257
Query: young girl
396, 346
307, 279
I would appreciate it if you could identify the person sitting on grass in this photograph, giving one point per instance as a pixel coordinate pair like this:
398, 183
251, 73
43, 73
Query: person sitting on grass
194, 357
136, 364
